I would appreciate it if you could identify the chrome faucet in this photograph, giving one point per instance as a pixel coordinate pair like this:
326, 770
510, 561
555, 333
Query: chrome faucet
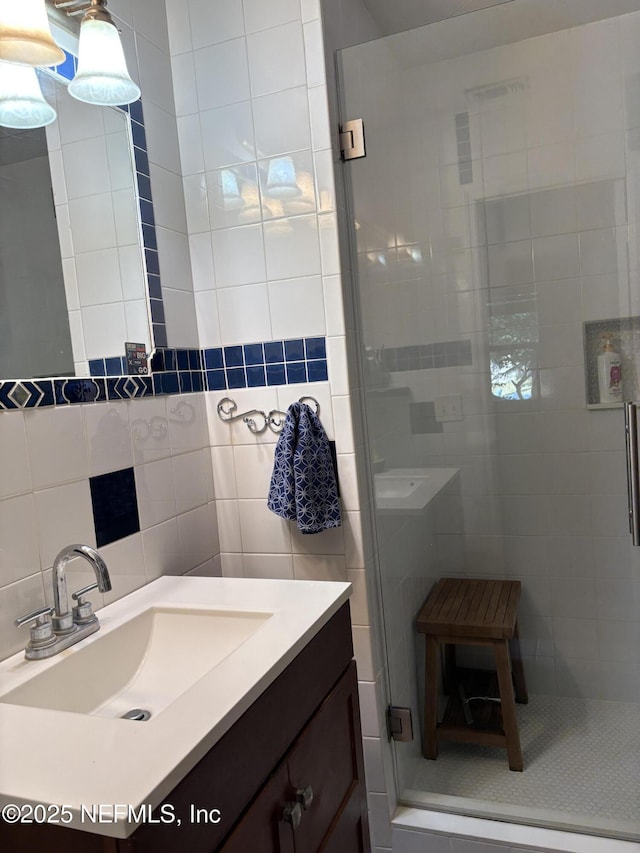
56, 628
63, 619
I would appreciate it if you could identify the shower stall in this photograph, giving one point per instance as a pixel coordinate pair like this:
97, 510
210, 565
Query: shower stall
495, 225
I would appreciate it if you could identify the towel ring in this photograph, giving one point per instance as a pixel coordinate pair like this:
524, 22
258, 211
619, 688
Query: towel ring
274, 420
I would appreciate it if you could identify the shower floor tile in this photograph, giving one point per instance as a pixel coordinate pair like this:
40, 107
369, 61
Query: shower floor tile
581, 760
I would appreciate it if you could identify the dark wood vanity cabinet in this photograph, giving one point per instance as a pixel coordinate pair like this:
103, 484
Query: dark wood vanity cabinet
288, 777
313, 800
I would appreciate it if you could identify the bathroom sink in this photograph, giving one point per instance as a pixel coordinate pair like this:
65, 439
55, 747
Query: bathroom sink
391, 486
193, 652
144, 663
409, 490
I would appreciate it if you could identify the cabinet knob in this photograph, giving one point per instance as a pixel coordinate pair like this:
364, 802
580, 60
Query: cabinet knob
292, 814
304, 796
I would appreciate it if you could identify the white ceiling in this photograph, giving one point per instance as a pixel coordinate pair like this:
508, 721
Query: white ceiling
395, 16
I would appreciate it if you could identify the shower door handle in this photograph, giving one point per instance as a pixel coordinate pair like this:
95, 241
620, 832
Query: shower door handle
633, 475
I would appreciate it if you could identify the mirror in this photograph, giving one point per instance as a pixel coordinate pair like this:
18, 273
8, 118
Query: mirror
77, 240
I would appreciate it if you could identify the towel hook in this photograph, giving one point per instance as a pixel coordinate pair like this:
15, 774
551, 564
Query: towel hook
226, 407
274, 420
276, 417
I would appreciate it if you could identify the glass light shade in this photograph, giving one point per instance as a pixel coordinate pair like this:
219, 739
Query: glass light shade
25, 36
281, 179
102, 77
22, 104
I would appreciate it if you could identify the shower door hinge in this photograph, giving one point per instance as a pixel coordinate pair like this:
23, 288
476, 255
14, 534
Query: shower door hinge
399, 723
352, 139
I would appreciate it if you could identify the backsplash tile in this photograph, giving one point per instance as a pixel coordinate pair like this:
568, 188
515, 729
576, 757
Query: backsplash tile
115, 506
184, 371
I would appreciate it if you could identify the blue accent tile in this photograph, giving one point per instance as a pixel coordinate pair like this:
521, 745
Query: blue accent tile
135, 111
144, 186
194, 359
185, 382
233, 356
275, 374
256, 376
138, 134
170, 383
170, 359
112, 389
136, 387
5, 401
182, 356
153, 285
317, 370
294, 350
157, 311
273, 352
149, 237
67, 69
45, 386
146, 212
213, 358
80, 390
96, 367
157, 384
34, 395
315, 348
296, 372
101, 385
197, 380
142, 161
147, 381
216, 380
114, 366
253, 354
157, 361
151, 259
236, 377
115, 506
59, 397
160, 334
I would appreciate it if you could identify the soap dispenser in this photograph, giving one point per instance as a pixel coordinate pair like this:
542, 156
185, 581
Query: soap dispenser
609, 372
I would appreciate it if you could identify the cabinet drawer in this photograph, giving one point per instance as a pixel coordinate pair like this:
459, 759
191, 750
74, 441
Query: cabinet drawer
326, 763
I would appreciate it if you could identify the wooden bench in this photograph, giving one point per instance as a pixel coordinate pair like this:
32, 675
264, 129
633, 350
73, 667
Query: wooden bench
474, 612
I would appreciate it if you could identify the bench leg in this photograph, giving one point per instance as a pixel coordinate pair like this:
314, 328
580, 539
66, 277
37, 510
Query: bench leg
430, 738
449, 679
518, 672
507, 703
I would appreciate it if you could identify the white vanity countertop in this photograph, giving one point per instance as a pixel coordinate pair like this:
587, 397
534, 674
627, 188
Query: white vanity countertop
76, 760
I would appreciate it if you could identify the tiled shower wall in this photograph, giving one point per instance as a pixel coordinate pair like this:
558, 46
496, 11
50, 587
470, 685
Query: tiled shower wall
534, 207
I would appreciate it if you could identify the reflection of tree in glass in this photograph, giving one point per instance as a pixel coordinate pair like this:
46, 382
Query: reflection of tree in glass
513, 366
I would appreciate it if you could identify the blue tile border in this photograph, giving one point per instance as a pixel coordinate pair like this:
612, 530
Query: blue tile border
428, 356
177, 371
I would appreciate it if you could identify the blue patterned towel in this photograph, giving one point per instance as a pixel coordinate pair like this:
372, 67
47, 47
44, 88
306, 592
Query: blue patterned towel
303, 484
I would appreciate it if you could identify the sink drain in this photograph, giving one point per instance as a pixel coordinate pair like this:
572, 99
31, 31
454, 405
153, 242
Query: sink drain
137, 714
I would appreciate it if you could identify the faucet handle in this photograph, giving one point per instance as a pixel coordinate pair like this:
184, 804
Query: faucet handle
83, 610
41, 634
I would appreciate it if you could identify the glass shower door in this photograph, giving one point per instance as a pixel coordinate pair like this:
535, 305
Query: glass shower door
495, 238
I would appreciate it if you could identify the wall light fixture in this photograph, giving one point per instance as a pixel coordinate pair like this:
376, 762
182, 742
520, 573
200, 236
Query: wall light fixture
25, 35
22, 104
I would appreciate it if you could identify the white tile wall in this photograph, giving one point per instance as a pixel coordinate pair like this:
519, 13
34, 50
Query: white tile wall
165, 439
